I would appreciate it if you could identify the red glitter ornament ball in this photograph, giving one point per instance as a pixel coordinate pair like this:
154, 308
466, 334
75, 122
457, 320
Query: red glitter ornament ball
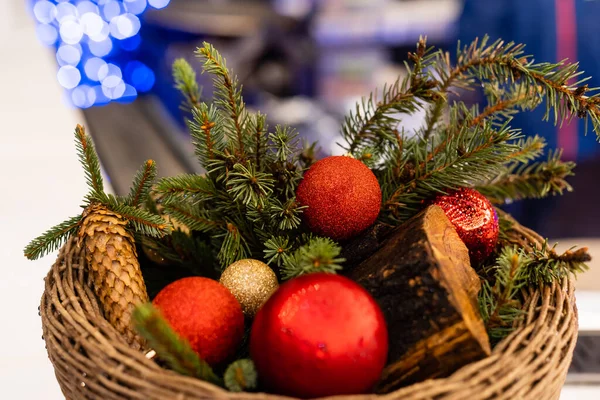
475, 220
205, 313
319, 335
342, 195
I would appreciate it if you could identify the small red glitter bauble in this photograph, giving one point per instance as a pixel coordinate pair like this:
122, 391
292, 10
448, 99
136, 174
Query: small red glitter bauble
475, 220
342, 195
319, 335
206, 314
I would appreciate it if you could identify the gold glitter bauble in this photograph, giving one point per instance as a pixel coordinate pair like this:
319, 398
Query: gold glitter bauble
251, 282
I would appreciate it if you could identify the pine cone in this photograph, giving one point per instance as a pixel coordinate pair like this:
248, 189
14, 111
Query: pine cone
114, 267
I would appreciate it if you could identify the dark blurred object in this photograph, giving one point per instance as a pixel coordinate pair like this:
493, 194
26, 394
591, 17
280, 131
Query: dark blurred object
585, 368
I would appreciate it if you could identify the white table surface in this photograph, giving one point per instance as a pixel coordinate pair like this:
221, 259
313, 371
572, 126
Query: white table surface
42, 183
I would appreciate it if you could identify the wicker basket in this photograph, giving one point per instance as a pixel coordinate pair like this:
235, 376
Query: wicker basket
91, 361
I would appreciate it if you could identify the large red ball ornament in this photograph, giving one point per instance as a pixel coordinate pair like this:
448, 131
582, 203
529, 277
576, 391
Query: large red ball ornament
206, 314
319, 335
342, 195
475, 220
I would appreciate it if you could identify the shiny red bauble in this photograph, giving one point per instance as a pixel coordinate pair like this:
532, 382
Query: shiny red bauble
475, 220
343, 197
206, 314
319, 335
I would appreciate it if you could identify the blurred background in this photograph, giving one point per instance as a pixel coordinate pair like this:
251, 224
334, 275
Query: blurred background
107, 64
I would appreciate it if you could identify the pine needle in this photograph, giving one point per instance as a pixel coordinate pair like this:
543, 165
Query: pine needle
89, 159
318, 255
142, 184
52, 239
185, 81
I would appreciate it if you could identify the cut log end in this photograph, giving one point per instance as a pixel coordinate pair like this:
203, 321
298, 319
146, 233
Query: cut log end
422, 279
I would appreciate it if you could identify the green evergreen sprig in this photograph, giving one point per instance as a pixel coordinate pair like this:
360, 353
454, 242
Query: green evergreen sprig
241, 376
318, 255
247, 196
530, 181
53, 238
228, 96
517, 268
185, 81
130, 207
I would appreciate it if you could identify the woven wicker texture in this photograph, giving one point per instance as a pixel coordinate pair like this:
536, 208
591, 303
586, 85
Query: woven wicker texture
92, 361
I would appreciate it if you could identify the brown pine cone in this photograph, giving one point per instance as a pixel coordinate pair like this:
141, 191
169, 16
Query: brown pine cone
114, 267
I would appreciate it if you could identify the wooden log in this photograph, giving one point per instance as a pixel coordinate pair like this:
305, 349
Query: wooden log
422, 279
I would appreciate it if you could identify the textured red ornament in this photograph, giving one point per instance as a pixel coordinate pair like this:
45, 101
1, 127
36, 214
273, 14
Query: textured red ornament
205, 313
475, 220
319, 335
342, 195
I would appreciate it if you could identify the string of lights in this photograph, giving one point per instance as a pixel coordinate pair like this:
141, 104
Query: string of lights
95, 43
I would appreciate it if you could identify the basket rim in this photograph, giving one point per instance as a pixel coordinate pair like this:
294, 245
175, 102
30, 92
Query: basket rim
89, 356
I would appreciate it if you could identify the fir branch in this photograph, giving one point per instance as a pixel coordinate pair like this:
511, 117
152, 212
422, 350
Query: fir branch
171, 348
52, 239
143, 222
507, 63
241, 376
207, 133
194, 217
276, 249
185, 81
258, 139
500, 107
89, 159
530, 181
318, 255
249, 186
547, 266
228, 94
500, 298
499, 303
469, 158
287, 216
186, 186
142, 184
285, 142
234, 245
373, 122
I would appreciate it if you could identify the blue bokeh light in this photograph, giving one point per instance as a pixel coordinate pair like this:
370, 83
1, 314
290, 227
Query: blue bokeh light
158, 4
101, 48
44, 11
92, 68
68, 76
135, 6
140, 75
68, 54
95, 41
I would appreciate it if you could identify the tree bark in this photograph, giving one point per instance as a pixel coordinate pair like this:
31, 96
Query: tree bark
422, 279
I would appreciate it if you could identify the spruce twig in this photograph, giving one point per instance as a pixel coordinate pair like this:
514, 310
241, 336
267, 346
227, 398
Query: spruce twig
318, 255
89, 159
185, 81
530, 181
228, 94
52, 239
241, 376
142, 183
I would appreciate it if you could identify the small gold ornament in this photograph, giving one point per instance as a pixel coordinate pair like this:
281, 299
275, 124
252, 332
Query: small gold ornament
251, 282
